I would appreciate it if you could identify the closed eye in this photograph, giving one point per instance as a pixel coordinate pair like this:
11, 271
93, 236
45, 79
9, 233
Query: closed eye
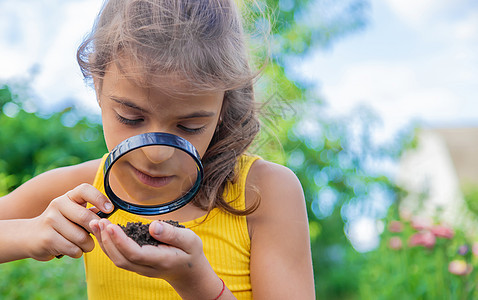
129, 122
192, 130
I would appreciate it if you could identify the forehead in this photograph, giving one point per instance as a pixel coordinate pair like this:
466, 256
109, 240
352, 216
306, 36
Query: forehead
169, 79
159, 90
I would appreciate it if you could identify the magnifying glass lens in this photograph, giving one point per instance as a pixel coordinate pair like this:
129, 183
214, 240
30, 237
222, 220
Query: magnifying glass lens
153, 175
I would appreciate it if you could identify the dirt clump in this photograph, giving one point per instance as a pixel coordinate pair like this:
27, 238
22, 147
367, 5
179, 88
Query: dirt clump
139, 232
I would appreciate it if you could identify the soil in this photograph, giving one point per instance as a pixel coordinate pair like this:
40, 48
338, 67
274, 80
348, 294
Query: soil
139, 232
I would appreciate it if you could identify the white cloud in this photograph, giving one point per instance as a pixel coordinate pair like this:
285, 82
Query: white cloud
21, 35
413, 11
467, 29
394, 91
59, 69
46, 34
426, 12
371, 82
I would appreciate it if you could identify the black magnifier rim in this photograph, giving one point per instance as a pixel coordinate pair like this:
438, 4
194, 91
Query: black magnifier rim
144, 140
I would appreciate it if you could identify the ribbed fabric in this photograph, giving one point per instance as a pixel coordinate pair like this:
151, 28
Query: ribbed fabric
226, 245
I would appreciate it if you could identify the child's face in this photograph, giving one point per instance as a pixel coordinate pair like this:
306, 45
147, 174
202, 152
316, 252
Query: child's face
128, 109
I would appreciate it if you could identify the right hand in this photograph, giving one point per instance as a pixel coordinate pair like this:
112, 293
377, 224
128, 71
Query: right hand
63, 228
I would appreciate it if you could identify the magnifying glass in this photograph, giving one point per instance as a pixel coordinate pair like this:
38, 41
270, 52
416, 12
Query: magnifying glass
152, 173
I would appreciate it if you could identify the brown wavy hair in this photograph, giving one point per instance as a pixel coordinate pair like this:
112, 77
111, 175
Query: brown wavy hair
203, 43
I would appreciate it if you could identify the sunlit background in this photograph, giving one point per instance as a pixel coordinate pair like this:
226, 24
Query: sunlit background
409, 63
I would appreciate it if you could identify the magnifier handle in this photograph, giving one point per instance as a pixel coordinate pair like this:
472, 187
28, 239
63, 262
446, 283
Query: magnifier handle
105, 215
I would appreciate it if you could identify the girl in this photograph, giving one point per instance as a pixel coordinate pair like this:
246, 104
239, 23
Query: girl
178, 67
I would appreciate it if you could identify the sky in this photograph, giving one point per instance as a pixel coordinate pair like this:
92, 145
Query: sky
43, 36
414, 61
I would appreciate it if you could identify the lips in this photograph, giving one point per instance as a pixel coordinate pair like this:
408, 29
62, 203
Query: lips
153, 181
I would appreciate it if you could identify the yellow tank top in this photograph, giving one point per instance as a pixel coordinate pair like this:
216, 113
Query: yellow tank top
226, 245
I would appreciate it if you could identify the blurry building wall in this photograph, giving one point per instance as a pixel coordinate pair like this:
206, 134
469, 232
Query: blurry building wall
435, 171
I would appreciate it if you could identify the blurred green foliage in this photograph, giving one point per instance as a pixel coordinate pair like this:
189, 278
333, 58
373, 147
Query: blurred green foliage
28, 279
31, 144
470, 193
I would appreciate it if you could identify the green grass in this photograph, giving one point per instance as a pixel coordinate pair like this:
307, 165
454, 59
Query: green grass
33, 280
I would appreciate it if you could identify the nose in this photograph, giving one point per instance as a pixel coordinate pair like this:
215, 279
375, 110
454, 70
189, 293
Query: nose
158, 154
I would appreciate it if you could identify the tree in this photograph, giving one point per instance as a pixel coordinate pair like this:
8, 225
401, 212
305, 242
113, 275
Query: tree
31, 144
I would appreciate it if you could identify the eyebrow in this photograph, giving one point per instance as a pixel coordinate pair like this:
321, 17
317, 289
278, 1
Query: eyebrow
126, 102
197, 114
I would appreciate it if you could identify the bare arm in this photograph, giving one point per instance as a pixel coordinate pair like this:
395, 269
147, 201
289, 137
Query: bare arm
32, 198
281, 264
47, 216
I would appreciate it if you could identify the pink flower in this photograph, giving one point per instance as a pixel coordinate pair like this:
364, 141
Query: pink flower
442, 231
395, 243
423, 238
420, 223
459, 267
395, 226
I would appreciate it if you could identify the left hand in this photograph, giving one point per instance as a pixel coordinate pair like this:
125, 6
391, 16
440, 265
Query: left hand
181, 258
181, 261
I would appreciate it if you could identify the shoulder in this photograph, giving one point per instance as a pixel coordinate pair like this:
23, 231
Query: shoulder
278, 191
279, 232
39, 191
263, 173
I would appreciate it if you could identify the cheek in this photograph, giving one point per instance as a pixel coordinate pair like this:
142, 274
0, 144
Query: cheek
110, 140
112, 132
202, 143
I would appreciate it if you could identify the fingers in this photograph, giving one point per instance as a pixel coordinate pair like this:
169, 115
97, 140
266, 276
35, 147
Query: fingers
83, 194
80, 240
168, 261
97, 229
78, 215
118, 245
123, 251
180, 238
63, 228
53, 235
87, 193
68, 248
69, 219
